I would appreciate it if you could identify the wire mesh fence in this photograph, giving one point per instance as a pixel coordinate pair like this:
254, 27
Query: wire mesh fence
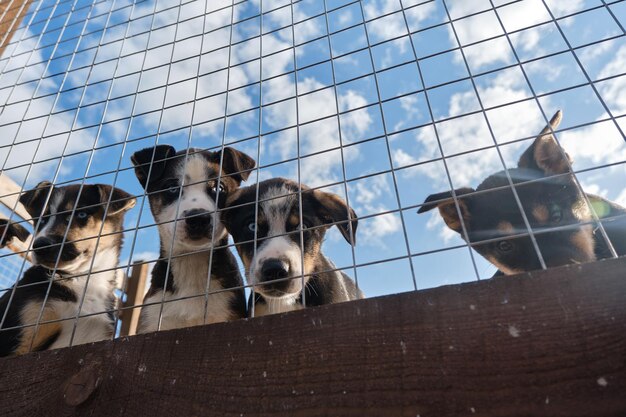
224, 140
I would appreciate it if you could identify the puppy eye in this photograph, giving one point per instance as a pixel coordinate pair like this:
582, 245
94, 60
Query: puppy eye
505, 246
81, 215
304, 226
221, 187
173, 190
252, 226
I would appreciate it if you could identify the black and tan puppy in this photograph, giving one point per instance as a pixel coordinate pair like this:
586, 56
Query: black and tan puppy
550, 198
78, 250
276, 266
190, 228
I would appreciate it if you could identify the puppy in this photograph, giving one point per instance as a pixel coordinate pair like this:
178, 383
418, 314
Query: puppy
66, 269
551, 200
277, 267
188, 221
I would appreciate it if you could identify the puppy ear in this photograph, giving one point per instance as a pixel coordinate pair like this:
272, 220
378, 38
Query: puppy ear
445, 203
333, 209
156, 157
237, 164
12, 230
34, 200
545, 154
120, 202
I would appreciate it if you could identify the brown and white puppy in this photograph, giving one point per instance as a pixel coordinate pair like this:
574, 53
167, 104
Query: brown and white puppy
551, 200
276, 262
73, 242
190, 229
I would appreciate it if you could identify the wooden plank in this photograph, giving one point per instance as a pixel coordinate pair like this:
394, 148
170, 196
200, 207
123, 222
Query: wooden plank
550, 343
11, 13
9, 196
135, 286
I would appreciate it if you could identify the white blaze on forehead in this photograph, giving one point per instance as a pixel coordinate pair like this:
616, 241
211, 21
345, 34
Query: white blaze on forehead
276, 205
53, 206
194, 174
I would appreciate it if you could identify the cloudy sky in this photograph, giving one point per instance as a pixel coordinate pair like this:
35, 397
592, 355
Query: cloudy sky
84, 85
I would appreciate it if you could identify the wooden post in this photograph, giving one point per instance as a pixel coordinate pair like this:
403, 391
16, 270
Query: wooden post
135, 286
546, 343
11, 14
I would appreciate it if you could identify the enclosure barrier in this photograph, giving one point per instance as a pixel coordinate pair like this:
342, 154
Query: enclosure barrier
550, 343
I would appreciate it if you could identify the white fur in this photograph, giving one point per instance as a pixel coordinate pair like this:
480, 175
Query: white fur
100, 286
277, 305
194, 196
277, 244
193, 270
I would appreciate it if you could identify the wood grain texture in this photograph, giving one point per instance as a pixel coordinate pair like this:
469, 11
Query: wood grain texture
550, 343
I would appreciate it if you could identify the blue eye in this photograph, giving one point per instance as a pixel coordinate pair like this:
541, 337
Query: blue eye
82, 215
173, 190
252, 226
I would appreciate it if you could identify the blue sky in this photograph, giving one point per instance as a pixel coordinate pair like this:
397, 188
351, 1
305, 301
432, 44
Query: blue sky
121, 87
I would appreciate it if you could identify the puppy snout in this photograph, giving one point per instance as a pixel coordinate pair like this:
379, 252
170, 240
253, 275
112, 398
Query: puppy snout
45, 247
198, 222
274, 269
197, 218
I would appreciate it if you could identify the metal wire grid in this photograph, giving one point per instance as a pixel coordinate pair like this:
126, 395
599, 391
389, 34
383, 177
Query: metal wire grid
67, 9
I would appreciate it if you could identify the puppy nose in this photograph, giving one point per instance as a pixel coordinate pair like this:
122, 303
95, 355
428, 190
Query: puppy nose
197, 217
44, 245
275, 269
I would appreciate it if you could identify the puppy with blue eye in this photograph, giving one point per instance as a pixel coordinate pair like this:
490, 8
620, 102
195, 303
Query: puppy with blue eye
187, 189
284, 268
76, 248
550, 199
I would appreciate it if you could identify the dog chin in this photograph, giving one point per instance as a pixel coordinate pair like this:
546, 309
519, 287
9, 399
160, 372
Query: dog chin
278, 294
76, 265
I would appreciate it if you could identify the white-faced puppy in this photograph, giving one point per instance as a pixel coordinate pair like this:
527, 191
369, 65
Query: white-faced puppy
280, 261
190, 228
76, 247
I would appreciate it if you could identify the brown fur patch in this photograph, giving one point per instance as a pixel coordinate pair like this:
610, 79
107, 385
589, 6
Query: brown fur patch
450, 215
506, 228
541, 213
310, 257
583, 241
44, 332
503, 268
550, 157
581, 211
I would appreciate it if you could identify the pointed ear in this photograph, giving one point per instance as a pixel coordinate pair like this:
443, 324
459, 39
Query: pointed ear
34, 200
237, 164
545, 154
445, 203
333, 209
12, 230
120, 200
155, 157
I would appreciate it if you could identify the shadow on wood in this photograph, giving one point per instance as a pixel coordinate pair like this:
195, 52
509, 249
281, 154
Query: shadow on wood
550, 343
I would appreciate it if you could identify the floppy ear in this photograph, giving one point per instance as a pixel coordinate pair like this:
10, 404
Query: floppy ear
333, 209
237, 164
545, 154
155, 157
34, 200
445, 203
121, 201
12, 230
